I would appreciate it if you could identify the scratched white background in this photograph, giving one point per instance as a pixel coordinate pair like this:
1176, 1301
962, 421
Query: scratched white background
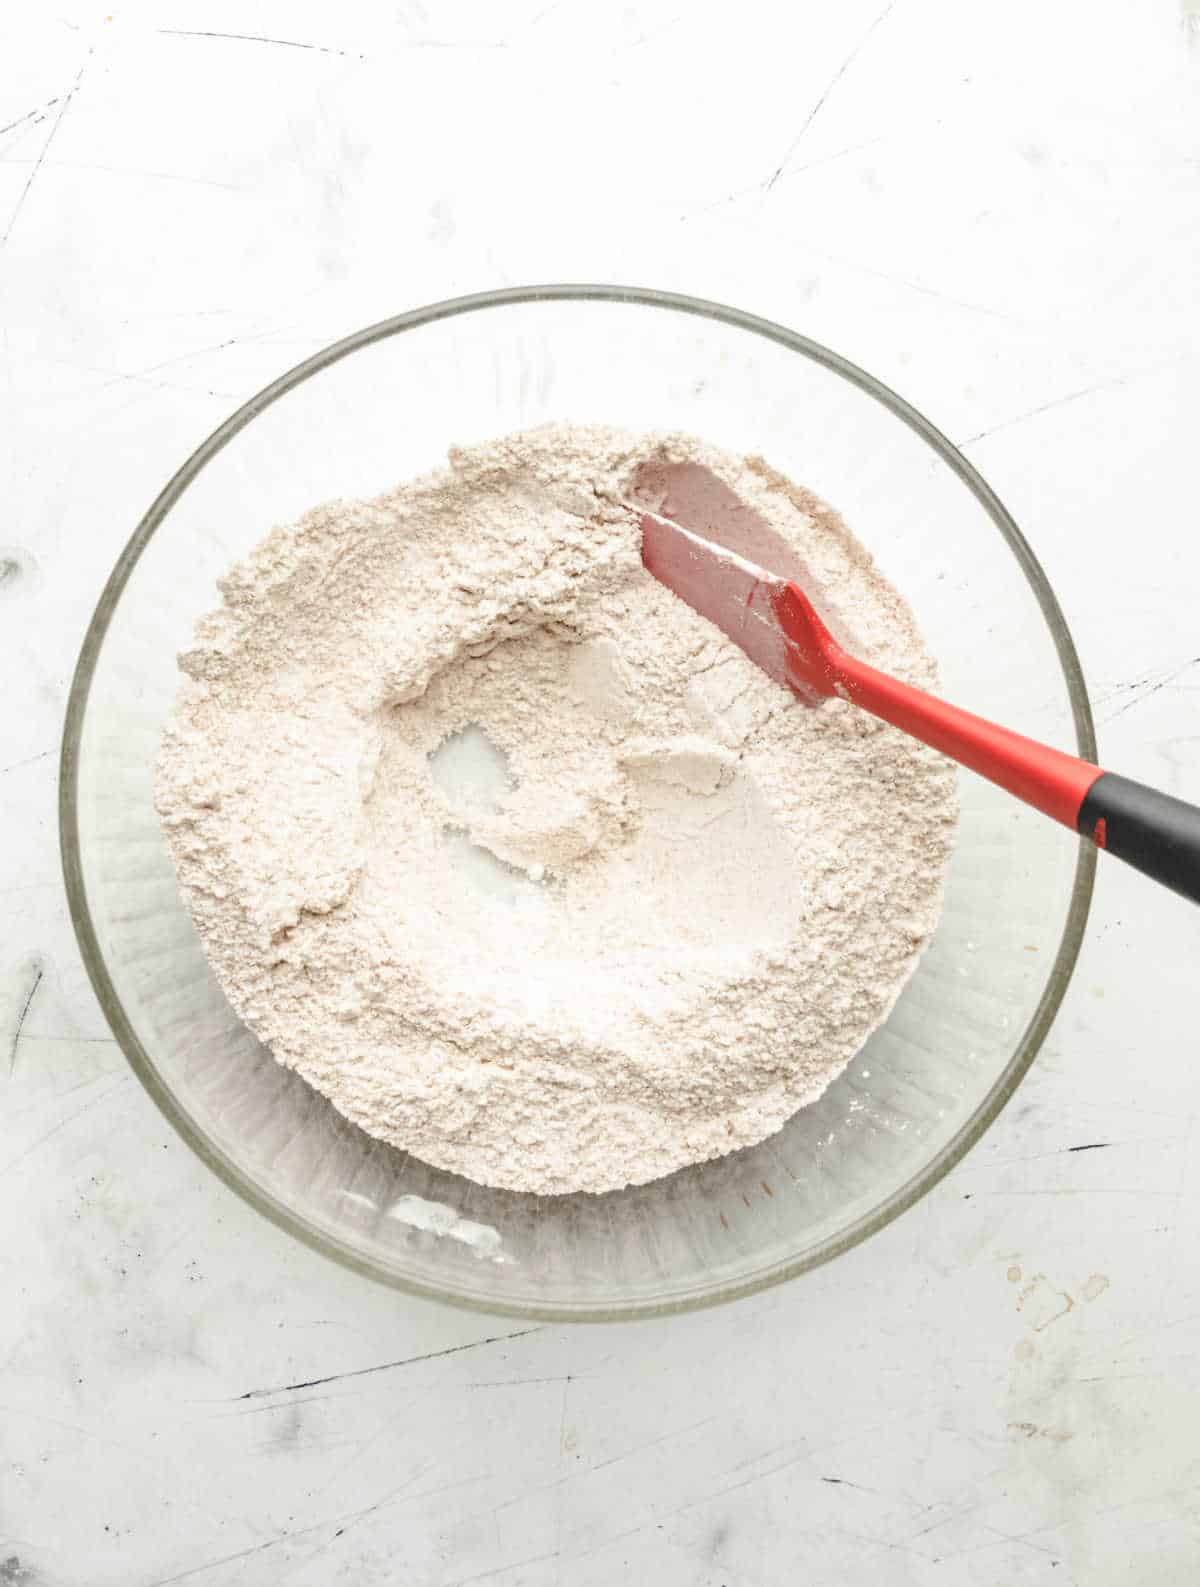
997, 210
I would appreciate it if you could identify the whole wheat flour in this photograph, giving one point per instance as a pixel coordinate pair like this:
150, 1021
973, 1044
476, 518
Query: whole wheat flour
517, 859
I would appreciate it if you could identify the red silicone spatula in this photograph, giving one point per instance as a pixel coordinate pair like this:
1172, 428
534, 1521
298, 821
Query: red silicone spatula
775, 623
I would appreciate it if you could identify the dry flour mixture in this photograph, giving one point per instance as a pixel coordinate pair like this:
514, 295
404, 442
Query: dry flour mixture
518, 860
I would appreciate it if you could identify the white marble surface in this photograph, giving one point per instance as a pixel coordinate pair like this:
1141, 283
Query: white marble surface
995, 209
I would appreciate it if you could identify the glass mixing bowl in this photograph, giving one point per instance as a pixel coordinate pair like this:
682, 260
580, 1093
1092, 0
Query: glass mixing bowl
385, 404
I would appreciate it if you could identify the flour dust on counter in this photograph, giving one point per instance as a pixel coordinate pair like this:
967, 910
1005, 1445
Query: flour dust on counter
515, 857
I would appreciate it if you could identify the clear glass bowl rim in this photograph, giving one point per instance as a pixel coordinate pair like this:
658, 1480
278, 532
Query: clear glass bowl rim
226, 1168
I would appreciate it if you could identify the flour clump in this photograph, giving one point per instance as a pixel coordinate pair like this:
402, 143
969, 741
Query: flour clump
517, 859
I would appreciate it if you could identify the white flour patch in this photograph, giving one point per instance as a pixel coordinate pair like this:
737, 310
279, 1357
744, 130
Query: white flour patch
517, 859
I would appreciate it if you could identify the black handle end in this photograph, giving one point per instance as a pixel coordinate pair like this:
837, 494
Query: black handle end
1155, 832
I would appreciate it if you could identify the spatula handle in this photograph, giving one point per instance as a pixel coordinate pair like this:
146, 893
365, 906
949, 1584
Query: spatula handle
1153, 831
